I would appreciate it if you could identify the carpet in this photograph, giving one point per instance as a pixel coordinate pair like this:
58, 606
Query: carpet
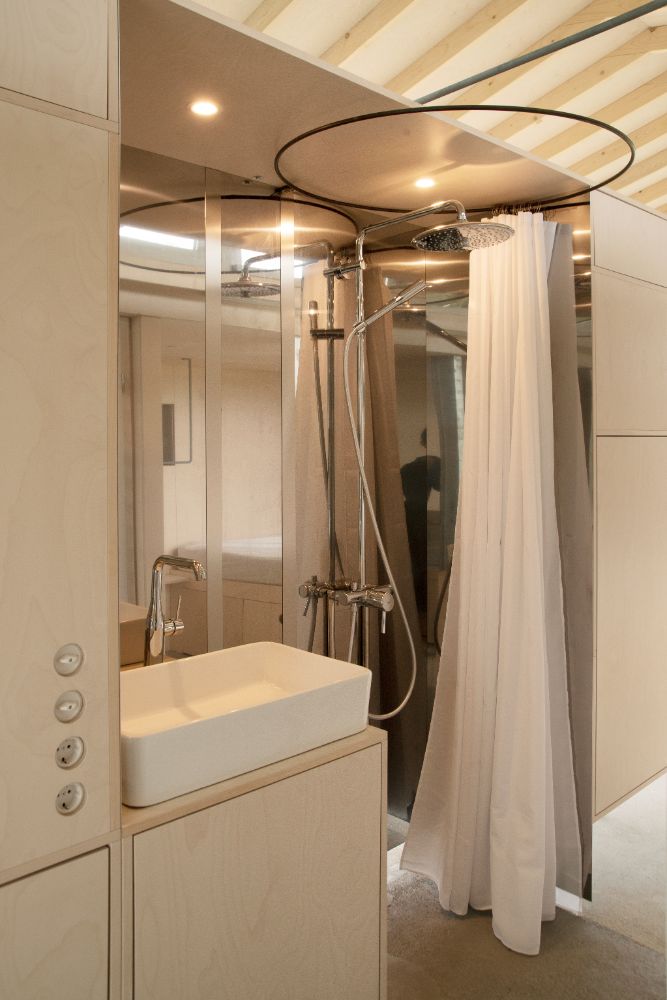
434, 955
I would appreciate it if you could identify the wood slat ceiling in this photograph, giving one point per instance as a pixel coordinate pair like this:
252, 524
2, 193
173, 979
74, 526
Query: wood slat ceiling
413, 47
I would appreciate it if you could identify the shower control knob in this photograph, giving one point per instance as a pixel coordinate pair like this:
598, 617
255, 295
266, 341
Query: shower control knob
69, 706
70, 752
68, 659
379, 597
70, 798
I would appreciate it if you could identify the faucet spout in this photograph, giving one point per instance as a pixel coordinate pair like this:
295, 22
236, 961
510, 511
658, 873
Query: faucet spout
158, 628
177, 562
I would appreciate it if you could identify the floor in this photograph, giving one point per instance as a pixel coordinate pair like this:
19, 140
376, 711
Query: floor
615, 951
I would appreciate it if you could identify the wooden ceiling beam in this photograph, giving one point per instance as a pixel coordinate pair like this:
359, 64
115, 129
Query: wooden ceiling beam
266, 13
651, 40
594, 13
449, 46
642, 169
610, 113
615, 150
382, 14
652, 193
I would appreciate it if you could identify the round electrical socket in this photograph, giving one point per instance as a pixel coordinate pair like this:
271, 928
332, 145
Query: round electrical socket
70, 752
70, 798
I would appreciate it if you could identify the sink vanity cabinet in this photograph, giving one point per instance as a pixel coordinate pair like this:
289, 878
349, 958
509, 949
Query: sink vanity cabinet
271, 884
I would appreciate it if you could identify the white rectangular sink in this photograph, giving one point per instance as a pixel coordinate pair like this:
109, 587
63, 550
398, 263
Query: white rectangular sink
196, 721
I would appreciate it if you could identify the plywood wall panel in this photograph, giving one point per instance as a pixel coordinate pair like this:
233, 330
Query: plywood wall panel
54, 576
631, 699
628, 239
630, 367
57, 51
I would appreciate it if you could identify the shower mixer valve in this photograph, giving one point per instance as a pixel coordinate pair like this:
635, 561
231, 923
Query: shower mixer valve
313, 589
379, 596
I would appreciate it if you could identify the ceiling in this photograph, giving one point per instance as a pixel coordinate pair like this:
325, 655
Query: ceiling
413, 47
171, 55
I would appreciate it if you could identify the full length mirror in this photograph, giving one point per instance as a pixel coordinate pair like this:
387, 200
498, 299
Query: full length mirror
161, 402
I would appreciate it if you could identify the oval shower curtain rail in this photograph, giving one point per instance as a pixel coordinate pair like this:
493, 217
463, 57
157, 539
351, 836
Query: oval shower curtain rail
398, 112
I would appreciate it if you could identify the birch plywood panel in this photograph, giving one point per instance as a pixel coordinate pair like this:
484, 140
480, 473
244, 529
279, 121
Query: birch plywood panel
631, 741
53, 502
630, 370
274, 894
54, 929
56, 51
628, 239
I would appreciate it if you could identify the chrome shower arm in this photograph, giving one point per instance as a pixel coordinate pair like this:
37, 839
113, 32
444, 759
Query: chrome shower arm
270, 256
437, 208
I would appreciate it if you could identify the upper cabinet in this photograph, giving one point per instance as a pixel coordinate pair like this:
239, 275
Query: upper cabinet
628, 239
55, 304
58, 52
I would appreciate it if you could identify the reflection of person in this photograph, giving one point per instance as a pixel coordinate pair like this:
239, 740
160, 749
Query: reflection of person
419, 477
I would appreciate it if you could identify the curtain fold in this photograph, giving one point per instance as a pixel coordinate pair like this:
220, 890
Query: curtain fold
495, 820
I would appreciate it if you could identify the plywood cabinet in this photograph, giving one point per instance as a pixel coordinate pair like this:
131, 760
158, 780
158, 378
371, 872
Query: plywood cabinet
56, 51
630, 355
631, 741
276, 893
629, 286
628, 239
54, 503
54, 932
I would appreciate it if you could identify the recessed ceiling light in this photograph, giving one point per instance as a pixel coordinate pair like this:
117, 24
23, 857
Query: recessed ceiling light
205, 109
425, 182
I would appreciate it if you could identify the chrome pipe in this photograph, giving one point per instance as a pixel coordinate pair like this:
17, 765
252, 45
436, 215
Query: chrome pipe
363, 621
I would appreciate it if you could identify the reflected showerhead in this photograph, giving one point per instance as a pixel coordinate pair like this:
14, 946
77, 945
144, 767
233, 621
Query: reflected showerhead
246, 288
463, 235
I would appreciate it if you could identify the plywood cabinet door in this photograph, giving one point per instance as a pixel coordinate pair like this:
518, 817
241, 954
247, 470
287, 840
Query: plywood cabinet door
54, 569
630, 319
628, 239
56, 50
631, 740
274, 894
54, 930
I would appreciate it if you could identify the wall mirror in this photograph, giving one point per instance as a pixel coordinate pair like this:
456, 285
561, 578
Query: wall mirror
207, 384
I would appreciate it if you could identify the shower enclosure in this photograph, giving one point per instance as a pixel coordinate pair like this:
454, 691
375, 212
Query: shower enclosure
247, 328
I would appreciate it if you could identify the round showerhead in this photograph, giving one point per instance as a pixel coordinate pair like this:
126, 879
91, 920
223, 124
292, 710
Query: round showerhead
245, 288
463, 235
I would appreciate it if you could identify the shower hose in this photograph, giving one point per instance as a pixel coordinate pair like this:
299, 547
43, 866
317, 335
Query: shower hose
355, 333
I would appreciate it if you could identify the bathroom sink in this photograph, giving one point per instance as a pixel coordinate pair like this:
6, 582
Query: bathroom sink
197, 721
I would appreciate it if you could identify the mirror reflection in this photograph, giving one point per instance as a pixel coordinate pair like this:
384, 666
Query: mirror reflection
161, 408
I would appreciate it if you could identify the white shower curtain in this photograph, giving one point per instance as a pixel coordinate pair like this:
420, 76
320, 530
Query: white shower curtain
495, 822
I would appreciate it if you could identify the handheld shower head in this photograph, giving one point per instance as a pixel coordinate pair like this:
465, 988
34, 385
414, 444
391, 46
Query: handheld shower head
463, 235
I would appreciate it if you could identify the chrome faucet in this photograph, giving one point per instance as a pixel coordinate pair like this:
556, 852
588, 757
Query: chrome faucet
159, 628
